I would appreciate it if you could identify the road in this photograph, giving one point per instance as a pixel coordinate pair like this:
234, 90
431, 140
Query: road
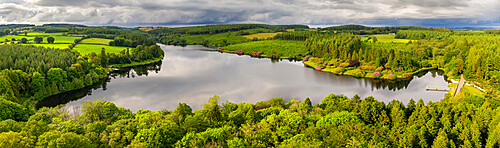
460, 85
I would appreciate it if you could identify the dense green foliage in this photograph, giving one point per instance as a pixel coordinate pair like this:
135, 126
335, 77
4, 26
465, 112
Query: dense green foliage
364, 30
296, 35
468, 121
132, 40
34, 73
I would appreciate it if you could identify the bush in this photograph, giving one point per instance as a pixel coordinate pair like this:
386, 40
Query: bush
344, 65
338, 70
354, 63
377, 74
319, 67
240, 52
50, 39
407, 75
379, 69
392, 77
369, 67
23, 40
38, 39
358, 73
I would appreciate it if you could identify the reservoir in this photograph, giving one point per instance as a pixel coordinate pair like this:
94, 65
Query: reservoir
193, 74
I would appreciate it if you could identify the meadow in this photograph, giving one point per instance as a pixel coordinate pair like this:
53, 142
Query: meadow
60, 46
43, 34
85, 49
17, 37
388, 39
262, 35
284, 48
99, 41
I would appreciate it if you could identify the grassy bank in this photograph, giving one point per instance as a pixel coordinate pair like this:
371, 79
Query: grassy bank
284, 48
85, 49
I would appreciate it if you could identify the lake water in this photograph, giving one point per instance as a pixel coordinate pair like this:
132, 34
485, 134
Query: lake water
192, 74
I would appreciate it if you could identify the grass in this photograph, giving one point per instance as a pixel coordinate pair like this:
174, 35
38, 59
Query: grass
44, 34
17, 37
389, 39
466, 90
85, 49
261, 35
365, 38
58, 38
60, 46
96, 41
285, 48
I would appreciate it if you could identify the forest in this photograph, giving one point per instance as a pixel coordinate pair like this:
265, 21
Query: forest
465, 121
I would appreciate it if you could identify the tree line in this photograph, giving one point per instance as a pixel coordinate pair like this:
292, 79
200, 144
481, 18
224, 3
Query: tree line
468, 121
214, 29
364, 30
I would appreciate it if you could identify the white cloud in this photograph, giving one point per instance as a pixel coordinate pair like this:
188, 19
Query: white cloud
123, 12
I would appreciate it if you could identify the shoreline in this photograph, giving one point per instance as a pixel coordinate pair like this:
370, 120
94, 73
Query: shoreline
137, 63
369, 74
261, 56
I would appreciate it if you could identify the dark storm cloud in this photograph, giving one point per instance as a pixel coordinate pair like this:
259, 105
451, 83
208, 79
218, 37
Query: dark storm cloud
136, 12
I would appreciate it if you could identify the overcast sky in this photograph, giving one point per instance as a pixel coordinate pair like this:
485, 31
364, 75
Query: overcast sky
448, 13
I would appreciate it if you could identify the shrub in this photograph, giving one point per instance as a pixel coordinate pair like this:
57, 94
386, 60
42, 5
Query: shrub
369, 67
240, 52
379, 68
400, 69
354, 63
377, 74
305, 59
338, 70
38, 39
23, 40
392, 77
256, 54
407, 75
358, 73
344, 65
319, 67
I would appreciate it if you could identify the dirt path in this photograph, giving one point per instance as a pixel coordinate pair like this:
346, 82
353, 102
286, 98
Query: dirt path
460, 85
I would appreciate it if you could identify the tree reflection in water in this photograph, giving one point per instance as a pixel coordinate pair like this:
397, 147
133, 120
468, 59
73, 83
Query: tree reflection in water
128, 72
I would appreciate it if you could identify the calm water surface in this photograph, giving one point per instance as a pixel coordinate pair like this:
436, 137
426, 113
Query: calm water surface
192, 74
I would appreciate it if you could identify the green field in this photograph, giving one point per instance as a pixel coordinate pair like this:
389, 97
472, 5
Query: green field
283, 47
85, 49
262, 35
44, 34
389, 39
365, 38
17, 37
96, 41
60, 46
